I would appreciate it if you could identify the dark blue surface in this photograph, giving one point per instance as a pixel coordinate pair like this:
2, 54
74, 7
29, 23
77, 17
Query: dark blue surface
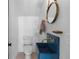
46, 47
49, 50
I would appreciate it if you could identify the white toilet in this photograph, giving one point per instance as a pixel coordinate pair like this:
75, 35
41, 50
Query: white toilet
28, 47
27, 28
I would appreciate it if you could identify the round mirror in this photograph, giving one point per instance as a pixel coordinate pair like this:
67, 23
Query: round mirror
52, 12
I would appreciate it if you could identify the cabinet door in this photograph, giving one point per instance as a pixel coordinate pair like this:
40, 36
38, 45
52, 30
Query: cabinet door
48, 56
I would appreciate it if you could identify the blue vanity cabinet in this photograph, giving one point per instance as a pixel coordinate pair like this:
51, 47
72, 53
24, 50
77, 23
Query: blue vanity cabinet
48, 50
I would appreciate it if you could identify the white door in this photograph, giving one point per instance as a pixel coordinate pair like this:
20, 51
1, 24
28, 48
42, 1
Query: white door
10, 41
9, 50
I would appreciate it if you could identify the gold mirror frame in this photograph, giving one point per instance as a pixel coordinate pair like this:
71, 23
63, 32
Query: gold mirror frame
57, 11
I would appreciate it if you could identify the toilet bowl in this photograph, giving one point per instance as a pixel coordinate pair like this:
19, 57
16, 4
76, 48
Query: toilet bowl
27, 51
27, 47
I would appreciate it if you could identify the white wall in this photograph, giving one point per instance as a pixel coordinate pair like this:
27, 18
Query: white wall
28, 31
22, 8
63, 23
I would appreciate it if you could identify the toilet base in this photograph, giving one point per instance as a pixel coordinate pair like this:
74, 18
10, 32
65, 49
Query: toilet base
27, 56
